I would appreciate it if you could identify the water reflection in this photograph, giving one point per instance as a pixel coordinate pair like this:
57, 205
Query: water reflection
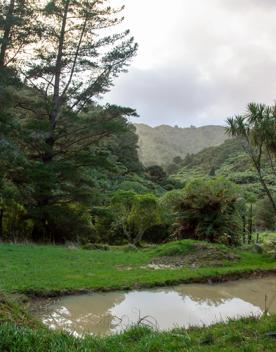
182, 306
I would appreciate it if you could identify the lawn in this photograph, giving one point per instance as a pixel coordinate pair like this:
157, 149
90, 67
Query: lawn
46, 270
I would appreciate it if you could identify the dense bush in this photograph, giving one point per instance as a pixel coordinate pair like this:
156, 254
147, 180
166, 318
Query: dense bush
265, 218
210, 210
135, 213
157, 233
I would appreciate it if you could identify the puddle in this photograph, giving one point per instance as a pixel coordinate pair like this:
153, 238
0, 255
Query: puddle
163, 308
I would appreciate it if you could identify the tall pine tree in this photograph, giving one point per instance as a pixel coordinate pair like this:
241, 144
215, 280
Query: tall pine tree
60, 131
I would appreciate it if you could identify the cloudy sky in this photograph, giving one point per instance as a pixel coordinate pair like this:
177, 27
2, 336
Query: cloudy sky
199, 61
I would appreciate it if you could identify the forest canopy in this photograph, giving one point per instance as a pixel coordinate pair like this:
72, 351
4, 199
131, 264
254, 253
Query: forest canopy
69, 166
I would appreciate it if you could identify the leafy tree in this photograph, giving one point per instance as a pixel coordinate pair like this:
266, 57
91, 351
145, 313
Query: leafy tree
135, 213
175, 165
265, 218
144, 214
257, 130
168, 203
134, 186
210, 210
122, 205
177, 160
212, 171
156, 174
61, 136
124, 145
172, 169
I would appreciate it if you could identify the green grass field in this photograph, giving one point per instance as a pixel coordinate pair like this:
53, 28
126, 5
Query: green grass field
51, 269
46, 270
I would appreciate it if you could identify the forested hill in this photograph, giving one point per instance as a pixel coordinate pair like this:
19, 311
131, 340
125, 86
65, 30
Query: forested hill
229, 160
160, 145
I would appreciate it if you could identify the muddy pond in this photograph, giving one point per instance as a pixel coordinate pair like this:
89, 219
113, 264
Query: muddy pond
161, 308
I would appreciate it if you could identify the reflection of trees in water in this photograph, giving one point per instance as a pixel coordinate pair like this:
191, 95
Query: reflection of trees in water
251, 291
210, 295
186, 305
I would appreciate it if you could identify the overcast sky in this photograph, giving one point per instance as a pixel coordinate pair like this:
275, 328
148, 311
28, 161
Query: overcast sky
199, 61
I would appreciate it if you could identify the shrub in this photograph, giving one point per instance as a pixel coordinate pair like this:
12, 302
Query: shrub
96, 246
210, 210
135, 213
157, 233
265, 217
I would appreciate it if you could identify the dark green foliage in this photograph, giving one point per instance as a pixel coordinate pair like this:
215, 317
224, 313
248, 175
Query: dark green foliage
56, 195
95, 246
176, 248
228, 160
124, 146
18, 28
265, 218
210, 210
214, 157
59, 149
156, 174
157, 233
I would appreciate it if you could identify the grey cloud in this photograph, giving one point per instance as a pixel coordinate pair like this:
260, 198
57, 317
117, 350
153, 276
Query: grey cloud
247, 4
169, 95
180, 95
221, 61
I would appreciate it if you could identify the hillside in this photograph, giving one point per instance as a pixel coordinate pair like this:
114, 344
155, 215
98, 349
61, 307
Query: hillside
229, 160
159, 145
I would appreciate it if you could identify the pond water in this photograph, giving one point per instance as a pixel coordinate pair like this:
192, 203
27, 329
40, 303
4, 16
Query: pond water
161, 308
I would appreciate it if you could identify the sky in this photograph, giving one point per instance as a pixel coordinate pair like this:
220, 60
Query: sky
199, 61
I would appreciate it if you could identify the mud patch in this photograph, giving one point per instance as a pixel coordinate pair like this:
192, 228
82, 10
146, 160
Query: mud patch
200, 256
155, 266
124, 267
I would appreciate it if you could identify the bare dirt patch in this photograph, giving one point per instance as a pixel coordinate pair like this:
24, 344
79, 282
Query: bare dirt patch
201, 256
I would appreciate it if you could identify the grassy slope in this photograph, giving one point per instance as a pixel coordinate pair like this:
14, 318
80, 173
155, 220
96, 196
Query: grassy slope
48, 269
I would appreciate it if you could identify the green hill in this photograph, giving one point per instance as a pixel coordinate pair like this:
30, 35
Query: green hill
160, 145
229, 160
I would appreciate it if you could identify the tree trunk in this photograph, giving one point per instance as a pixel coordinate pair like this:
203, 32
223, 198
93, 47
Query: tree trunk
1, 224
250, 224
243, 229
56, 102
58, 68
138, 238
267, 191
36, 233
6, 34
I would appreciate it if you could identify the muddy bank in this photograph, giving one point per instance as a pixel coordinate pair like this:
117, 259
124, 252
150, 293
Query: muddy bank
208, 279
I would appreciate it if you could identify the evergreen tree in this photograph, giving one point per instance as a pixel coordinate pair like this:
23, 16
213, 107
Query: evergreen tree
18, 28
60, 135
